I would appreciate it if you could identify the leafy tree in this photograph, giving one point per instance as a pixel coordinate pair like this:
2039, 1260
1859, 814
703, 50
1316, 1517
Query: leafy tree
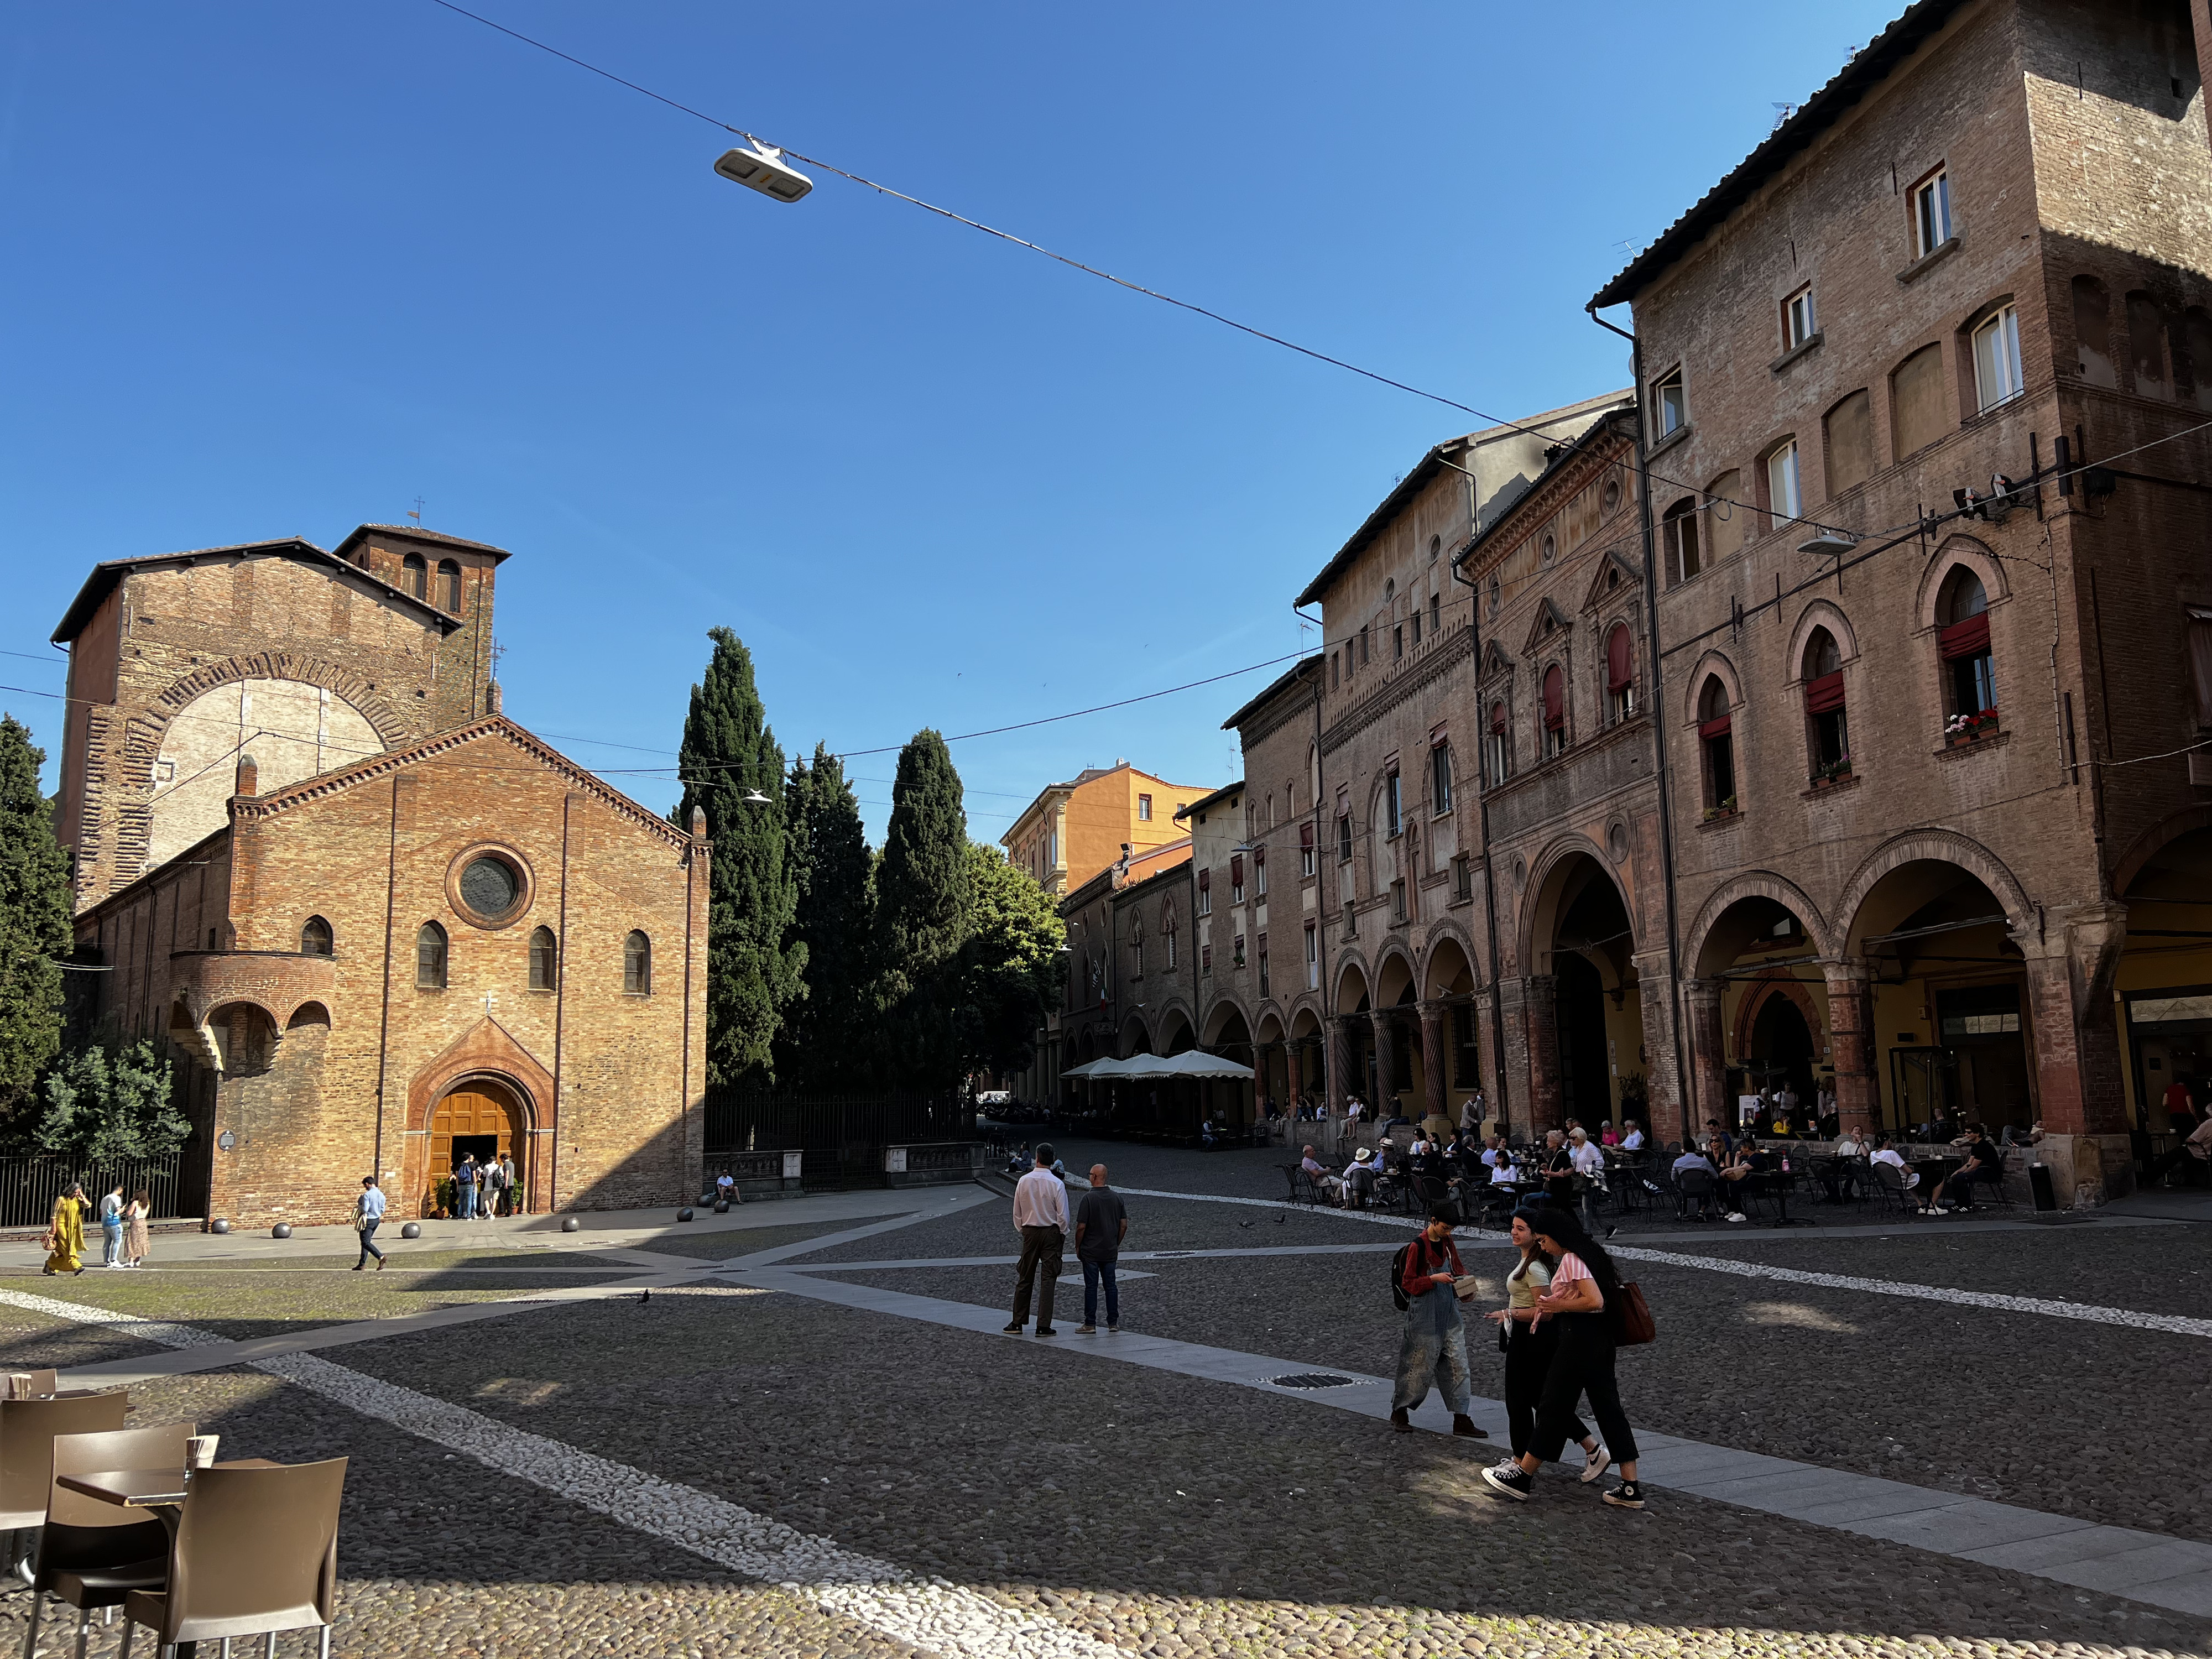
1010, 965
922, 898
34, 923
827, 1044
111, 1104
753, 962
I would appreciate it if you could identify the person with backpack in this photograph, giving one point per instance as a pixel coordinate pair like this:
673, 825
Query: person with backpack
1587, 1300
1424, 1282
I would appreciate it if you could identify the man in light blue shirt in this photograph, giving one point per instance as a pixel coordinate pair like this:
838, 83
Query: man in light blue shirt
367, 1213
110, 1229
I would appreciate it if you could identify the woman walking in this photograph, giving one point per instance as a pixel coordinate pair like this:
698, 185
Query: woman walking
1530, 1349
1583, 1297
134, 1228
65, 1233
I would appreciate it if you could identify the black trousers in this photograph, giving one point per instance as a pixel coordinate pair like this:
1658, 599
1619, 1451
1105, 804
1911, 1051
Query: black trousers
1528, 1353
1582, 1364
1042, 1248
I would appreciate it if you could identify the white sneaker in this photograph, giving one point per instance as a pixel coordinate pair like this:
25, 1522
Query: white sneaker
1738, 1215
1594, 1464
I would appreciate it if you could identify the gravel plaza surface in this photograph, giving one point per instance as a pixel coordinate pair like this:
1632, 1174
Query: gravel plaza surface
1083, 1507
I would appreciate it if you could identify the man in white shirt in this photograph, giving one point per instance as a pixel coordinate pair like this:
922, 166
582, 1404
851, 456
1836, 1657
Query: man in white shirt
1886, 1153
1853, 1145
1040, 1218
1633, 1140
1586, 1156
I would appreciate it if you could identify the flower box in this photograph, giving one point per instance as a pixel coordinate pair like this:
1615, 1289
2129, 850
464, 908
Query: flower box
1962, 729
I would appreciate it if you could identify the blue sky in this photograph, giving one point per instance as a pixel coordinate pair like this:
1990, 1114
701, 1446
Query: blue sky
280, 270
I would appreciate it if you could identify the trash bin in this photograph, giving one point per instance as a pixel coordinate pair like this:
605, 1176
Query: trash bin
2038, 1182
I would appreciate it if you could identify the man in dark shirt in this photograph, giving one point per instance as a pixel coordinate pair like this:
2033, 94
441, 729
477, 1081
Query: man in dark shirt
1101, 1224
1984, 1163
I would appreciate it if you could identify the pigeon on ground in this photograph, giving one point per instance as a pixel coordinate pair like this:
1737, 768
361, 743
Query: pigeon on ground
1247, 1224
644, 1297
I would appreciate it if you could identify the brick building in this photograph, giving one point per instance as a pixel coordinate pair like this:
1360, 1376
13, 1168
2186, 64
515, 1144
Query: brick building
1943, 829
381, 924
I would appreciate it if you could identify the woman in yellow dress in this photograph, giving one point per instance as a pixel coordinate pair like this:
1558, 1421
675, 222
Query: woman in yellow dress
65, 1235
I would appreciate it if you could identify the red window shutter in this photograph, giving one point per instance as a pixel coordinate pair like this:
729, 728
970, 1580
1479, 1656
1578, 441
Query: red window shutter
1498, 717
1236, 869
1718, 728
1555, 698
1204, 881
1306, 837
1967, 639
1616, 660
1826, 693
1259, 856
1263, 945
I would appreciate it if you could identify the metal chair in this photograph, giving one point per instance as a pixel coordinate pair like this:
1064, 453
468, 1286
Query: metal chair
27, 1428
93, 1554
255, 1553
1694, 1187
1890, 1190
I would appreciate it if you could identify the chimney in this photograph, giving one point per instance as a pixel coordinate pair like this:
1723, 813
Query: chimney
698, 823
491, 698
246, 778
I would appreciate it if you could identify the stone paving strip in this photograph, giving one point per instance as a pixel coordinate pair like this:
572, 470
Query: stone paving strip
933, 1614
2142, 1567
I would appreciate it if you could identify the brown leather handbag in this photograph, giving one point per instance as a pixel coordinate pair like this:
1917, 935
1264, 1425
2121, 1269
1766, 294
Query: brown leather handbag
1631, 1323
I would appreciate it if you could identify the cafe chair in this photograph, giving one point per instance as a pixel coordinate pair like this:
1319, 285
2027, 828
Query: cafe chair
93, 1554
27, 1428
42, 1382
255, 1553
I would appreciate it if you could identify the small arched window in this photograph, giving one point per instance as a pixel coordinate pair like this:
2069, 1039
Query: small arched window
430, 957
544, 960
449, 585
1830, 741
1716, 746
1683, 560
1555, 711
637, 964
1500, 744
415, 575
315, 937
1728, 525
1962, 613
1436, 546
1620, 673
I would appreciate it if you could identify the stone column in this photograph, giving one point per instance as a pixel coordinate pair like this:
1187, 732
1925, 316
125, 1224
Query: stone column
2071, 958
1336, 1061
1386, 1061
1851, 1044
1436, 1090
1509, 1099
1708, 1058
1662, 1085
1541, 1003
1263, 1079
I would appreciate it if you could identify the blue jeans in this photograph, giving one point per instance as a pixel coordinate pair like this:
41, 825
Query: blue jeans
1093, 1272
110, 1242
369, 1244
1433, 1349
464, 1205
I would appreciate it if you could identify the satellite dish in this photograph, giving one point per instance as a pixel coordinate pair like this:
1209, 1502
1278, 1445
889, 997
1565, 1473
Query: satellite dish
761, 167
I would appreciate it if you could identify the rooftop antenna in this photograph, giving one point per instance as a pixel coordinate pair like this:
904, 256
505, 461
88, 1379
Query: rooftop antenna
1783, 112
415, 512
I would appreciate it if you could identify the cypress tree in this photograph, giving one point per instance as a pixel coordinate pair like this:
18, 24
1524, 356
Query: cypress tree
753, 963
923, 898
827, 1045
34, 923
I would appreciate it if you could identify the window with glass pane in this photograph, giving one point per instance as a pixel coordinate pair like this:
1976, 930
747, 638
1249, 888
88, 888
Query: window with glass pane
1440, 777
315, 937
1683, 555
1305, 849
1313, 958
430, 957
1931, 215
1393, 804
1344, 838
1781, 496
1674, 412
1797, 324
1996, 358
543, 965
637, 964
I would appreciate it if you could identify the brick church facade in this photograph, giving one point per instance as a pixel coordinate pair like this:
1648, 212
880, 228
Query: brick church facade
379, 923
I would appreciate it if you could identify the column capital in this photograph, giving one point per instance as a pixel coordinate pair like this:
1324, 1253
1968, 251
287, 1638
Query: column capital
1433, 1007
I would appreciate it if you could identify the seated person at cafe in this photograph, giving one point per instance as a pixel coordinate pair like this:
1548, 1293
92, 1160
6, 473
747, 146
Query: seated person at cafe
1691, 1158
1357, 1181
1885, 1152
1985, 1163
1502, 1170
1632, 1140
1314, 1172
1853, 1145
1714, 1132
1586, 1156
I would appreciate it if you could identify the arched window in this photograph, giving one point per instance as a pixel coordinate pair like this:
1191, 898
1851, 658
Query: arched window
1823, 671
1620, 673
1716, 742
1727, 525
1996, 357
415, 575
315, 937
449, 585
544, 960
1440, 778
2147, 345
637, 964
1501, 744
2093, 332
430, 957
1916, 415
1681, 533
1962, 613
1436, 546
1390, 592
1848, 428
1555, 711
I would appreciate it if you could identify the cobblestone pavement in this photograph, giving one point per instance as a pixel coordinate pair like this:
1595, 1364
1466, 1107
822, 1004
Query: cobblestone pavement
1097, 1508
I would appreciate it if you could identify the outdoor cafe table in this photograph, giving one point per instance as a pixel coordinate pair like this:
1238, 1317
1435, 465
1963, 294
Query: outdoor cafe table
161, 1491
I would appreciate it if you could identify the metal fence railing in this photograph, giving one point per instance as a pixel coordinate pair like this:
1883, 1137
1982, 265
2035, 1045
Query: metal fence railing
843, 1136
29, 1185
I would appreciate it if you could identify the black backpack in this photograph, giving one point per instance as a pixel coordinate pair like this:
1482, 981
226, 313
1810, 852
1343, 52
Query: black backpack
1398, 1276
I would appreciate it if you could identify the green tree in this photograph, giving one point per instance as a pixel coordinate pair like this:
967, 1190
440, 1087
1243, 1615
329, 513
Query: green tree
34, 924
753, 963
922, 897
1011, 965
111, 1104
827, 1045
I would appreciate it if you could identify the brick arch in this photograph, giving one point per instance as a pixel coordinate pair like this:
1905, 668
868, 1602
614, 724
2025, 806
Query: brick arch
1394, 950
2147, 845
1346, 963
1215, 1011
1943, 847
1172, 1009
1959, 550
1535, 899
1756, 884
1821, 613
1449, 928
1712, 664
1765, 987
